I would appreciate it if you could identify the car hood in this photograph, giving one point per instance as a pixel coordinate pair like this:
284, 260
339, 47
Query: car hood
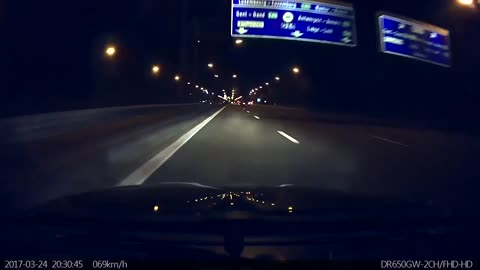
192, 200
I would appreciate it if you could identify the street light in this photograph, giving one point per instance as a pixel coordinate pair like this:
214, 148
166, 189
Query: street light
234, 76
465, 2
110, 51
260, 87
239, 41
216, 76
196, 86
177, 78
267, 84
210, 65
277, 78
155, 69
296, 70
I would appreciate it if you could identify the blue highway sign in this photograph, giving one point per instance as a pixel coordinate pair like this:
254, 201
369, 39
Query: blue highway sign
313, 21
413, 39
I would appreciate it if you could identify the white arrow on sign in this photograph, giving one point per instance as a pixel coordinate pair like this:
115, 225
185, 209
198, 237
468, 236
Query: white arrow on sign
297, 34
242, 31
346, 40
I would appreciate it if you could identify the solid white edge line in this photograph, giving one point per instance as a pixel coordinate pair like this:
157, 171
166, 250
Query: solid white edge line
256, 117
140, 175
290, 138
387, 140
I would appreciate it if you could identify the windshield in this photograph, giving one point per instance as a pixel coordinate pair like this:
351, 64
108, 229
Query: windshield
370, 99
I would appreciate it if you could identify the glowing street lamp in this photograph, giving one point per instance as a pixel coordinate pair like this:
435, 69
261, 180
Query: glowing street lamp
155, 69
465, 2
277, 78
267, 84
239, 41
210, 65
296, 70
216, 76
234, 76
177, 78
110, 51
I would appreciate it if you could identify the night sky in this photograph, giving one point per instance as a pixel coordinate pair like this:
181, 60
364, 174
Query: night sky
53, 58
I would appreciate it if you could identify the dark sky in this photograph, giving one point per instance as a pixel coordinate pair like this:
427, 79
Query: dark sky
53, 54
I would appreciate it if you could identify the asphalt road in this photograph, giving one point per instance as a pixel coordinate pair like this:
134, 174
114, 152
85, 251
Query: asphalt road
267, 146
257, 145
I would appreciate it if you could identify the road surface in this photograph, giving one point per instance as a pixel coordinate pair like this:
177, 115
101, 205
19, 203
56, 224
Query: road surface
255, 145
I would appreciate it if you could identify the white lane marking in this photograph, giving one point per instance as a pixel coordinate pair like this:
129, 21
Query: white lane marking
140, 175
387, 140
290, 138
256, 117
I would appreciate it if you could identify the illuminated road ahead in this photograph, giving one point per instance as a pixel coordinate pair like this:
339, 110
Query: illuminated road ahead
258, 145
267, 146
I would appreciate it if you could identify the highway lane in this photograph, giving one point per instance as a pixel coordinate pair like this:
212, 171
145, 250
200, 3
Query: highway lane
268, 146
